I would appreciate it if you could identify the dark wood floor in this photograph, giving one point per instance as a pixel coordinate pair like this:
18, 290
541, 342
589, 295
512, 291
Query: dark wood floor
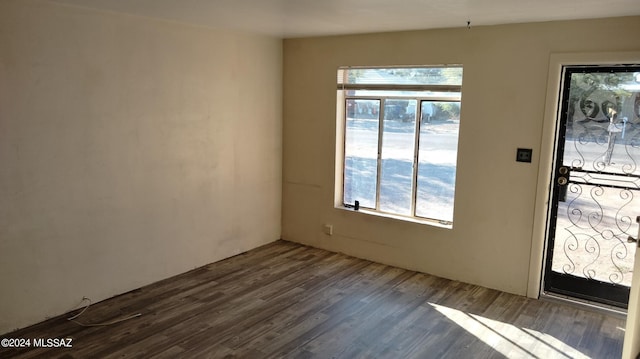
288, 300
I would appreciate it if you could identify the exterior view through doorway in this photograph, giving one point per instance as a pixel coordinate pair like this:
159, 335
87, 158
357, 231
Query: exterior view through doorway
595, 185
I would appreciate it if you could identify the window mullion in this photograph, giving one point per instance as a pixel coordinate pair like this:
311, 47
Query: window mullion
416, 151
344, 146
379, 159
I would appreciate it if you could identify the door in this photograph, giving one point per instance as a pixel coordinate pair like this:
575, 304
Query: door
595, 192
631, 347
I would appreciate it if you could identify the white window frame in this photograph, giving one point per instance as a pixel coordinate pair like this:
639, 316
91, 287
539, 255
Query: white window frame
341, 118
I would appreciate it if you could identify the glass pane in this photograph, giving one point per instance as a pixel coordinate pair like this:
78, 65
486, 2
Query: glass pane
597, 208
361, 152
397, 156
445, 96
603, 130
402, 76
437, 155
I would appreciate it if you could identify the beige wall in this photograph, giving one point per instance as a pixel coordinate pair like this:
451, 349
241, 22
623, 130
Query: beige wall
503, 105
130, 150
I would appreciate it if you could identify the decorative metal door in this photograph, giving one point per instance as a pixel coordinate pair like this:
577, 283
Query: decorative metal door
595, 195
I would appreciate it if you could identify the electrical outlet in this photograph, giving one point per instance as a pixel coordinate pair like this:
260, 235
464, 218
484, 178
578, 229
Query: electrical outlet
328, 229
524, 155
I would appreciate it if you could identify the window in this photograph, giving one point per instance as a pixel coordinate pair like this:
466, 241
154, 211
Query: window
400, 128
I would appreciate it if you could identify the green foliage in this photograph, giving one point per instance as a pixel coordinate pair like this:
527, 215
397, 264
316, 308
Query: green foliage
584, 84
354, 74
599, 94
447, 110
416, 75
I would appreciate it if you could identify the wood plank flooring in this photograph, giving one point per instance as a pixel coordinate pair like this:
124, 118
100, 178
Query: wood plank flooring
286, 300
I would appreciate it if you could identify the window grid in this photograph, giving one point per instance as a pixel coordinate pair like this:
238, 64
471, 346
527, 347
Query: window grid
416, 149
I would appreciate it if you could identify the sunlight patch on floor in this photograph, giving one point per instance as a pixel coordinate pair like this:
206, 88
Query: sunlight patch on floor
509, 340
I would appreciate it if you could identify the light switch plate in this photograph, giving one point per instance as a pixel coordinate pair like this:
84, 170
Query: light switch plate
524, 155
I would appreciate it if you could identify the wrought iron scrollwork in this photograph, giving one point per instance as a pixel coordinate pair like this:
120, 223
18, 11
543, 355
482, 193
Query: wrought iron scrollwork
589, 108
597, 222
591, 247
623, 219
620, 252
595, 217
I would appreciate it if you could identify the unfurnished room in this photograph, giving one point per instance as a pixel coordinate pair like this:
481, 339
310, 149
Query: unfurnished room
319, 179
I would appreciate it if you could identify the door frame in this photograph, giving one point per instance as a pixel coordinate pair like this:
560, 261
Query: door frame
548, 148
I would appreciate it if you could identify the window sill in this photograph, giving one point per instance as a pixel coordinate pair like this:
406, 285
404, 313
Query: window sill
418, 220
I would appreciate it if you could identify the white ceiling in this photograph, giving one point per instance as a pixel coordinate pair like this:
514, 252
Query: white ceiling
298, 18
